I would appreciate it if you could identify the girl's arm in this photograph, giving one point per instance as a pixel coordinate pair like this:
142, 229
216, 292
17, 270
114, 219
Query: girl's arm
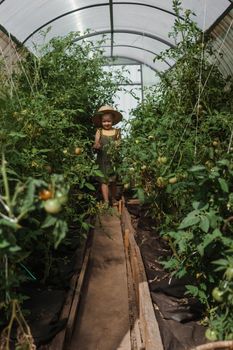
118, 137
97, 144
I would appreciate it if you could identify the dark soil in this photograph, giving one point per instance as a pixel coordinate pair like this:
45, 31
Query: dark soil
44, 300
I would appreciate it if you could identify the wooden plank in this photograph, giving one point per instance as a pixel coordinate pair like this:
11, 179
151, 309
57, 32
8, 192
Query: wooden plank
148, 323
133, 201
76, 300
224, 344
120, 205
135, 335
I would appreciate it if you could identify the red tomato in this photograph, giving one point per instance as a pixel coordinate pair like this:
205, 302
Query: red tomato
45, 194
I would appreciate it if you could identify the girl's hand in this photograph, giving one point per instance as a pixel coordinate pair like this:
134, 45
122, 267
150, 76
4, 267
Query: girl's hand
97, 145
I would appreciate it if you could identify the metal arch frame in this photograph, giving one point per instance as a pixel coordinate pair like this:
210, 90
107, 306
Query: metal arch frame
140, 63
147, 5
110, 3
129, 32
111, 24
141, 48
148, 35
136, 47
137, 61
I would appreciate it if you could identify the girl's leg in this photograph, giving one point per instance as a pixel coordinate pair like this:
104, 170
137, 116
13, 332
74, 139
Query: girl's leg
105, 192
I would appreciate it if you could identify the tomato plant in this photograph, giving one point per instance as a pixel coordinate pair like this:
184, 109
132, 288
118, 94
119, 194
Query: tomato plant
180, 151
46, 137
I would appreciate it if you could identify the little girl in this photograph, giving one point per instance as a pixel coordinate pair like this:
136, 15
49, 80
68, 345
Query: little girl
104, 119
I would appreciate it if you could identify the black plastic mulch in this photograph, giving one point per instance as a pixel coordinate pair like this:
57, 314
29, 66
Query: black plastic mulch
45, 301
177, 315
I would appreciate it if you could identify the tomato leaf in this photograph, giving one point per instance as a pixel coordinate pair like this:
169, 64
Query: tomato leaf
204, 224
89, 186
189, 221
209, 238
141, 195
49, 221
197, 168
223, 185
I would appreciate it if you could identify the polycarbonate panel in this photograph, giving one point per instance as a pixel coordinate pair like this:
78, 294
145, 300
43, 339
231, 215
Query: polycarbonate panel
143, 42
125, 103
106, 51
78, 21
165, 4
131, 72
152, 20
214, 8
100, 40
207, 11
140, 56
22, 17
149, 77
144, 20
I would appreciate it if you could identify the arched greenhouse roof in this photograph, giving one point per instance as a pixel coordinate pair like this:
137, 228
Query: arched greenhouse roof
137, 30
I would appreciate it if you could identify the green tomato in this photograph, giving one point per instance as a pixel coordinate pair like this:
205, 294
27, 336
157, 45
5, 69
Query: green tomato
217, 294
211, 334
163, 160
229, 273
160, 182
126, 186
62, 197
52, 206
172, 180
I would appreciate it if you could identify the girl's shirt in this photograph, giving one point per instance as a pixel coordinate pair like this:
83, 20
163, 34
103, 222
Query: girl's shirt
109, 133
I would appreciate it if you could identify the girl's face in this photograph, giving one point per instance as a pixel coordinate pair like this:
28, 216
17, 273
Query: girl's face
107, 121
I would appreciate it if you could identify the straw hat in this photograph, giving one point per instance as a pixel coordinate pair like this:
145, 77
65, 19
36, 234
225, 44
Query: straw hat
117, 116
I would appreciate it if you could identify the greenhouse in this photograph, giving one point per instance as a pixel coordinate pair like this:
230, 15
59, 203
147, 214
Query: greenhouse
116, 181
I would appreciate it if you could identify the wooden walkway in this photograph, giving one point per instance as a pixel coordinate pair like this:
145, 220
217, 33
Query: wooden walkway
109, 305
103, 322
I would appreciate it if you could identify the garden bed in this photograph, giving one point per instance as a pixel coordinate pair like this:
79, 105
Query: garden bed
178, 316
44, 302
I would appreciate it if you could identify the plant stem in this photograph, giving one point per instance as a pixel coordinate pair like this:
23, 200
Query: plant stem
6, 185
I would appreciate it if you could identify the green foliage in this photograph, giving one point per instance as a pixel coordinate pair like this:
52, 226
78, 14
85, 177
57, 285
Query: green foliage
46, 136
178, 161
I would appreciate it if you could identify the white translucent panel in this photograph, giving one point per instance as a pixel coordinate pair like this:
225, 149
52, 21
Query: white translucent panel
122, 61
79, 21
126, 101
140, 56
22, 17
106, 51
130, 72
133, 72
156, 3
207, 11
149, 77
152, 20
214, 8
144, 20
100, 40
143, 42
